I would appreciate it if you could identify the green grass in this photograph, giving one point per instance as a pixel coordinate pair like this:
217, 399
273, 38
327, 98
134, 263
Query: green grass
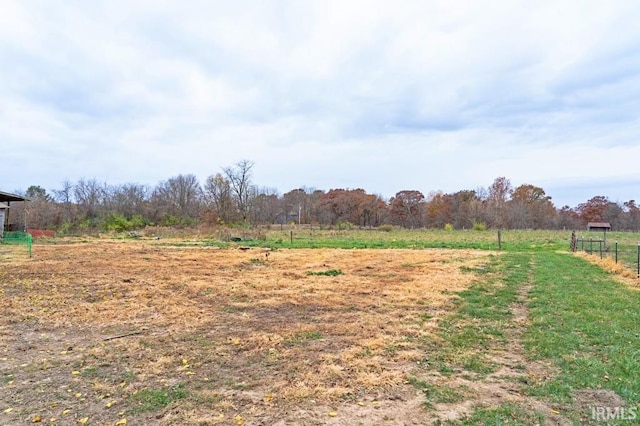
583, 324
302, 337
155, 399
483, 311
587, 324
506, 414
327, 273
436, 394
406, 239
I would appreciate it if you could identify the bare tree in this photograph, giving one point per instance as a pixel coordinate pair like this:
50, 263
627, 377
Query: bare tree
90, 196
179, 196
64, 195
130, 199
239, 178
265, 205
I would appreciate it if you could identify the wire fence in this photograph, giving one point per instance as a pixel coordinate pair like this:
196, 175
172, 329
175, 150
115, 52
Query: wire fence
18, 238
627, 255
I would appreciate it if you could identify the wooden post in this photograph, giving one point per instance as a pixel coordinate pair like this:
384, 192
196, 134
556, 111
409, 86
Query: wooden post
499, 240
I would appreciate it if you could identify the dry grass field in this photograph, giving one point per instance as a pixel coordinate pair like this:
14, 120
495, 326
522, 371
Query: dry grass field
108, 332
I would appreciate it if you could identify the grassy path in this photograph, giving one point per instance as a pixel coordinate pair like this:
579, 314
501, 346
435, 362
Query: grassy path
541, 338
588, 326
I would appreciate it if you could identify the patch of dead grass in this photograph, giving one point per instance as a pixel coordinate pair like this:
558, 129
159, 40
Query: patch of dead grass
621, 272
233, 325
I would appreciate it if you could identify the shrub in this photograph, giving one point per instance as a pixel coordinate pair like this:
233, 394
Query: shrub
385, 228
116, 222
479, 226
344, 225
448, 227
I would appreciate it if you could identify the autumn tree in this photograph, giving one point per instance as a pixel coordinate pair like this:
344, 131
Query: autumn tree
295, 205
265, 205
466, 207
568, 218
406, 208
373, 210
498, 194
218, 199
531, 207
439, 209
593, 210
632, 215
349, 205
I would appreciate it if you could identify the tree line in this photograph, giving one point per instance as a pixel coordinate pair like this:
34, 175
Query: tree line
230, 198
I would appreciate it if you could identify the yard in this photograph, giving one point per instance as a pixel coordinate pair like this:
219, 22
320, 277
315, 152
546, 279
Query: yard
113, 332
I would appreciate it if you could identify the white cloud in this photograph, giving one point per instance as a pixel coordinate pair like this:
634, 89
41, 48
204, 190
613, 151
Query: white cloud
380, 95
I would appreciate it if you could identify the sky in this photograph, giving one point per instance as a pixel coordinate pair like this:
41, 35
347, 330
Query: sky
381, 95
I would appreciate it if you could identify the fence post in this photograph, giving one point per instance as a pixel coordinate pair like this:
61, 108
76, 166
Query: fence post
600, 249
291, 237
499, 240
638, 260
590, 245
616, 252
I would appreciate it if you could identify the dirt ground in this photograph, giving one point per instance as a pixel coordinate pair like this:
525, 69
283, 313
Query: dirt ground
205, 335
104, 332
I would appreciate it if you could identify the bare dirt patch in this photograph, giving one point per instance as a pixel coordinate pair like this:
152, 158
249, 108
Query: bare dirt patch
103, 331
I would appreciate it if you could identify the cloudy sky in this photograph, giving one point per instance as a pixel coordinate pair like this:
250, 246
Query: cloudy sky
380, 95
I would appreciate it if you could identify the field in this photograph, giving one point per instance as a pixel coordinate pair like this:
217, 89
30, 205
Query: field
190, 331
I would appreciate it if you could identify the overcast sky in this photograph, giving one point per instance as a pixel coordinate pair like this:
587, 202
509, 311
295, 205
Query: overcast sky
380, 95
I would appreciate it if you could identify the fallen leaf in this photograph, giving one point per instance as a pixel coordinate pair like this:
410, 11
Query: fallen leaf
78, 395
189, 373
555, 411
8, 410
36, 419
236, 341
333, 414
120, 422
111, 404
84, 420
66, 411
239, 420
75, 373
